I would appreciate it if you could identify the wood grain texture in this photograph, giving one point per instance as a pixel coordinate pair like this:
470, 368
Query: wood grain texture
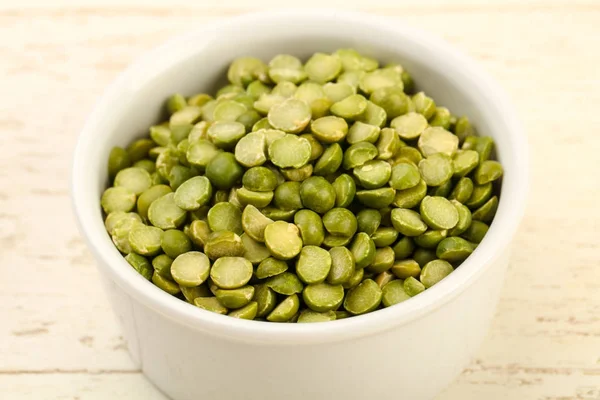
58, 337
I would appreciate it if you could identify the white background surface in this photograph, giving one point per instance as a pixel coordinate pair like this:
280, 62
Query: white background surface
58, 338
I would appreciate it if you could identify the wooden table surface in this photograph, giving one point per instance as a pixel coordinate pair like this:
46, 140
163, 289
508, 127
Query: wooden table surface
58, 337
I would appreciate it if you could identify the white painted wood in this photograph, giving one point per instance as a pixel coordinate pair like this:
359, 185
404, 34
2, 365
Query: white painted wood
58, 337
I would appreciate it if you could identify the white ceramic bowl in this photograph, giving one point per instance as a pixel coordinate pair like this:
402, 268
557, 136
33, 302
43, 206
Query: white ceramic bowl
409, 351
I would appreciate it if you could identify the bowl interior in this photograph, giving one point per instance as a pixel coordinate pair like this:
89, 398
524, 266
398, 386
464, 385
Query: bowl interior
194, 63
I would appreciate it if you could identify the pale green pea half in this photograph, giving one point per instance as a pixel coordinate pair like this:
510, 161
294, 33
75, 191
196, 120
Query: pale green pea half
342, 265
249, 311
335, 240
363, 250
285, 89
309, 316
475, 232
341, 314
297, 174
162, 265
310, 92
486, 172
211, 304
160, 134
146, 164
408, 222
481, 194
290, 151
265, 299
404, 248
338, 91
277, 214
345, 189
462, 190
228, 110
407, 154
434, 271
285, 283
431, 238
384, 236
201, 153
424, 105
442, 117
322, 297
361, 132
340, 221
259, 179
393, 100
394, 293
463, 162
484, 146
330, 160
235, 298
265, 102
322, 67
388, 144
255, 252
244, 70
145, 240
383, 278
316, 148
283, 240
257, 199
223, 244
118, 159
368, 220
292, 115
165, 284
487, 211
140, 264
383, 261
355, 279
364, 298
192, 293
190, 269
254, 223
329, 129
165, 214
404, 269
436, 170
409, 198
351, 78
454, 249
373, 115
438, 212
351, 107
199, 99
317, 194
376, 198
225, 217
193, 193
285, 67
225, 134
250, 150
285, 310
115, 218
287, 196
256, 88
437, 140
270, 267
464, 219
311, 227
230, 272
138, 150
358, 154
313, 264
249, 118
378, 79
404, 176
353, 60
413, 287
135, 179
373, 174
409, 126
223, 171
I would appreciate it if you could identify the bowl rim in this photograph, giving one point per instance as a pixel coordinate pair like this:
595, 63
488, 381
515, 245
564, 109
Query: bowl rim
510, 211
